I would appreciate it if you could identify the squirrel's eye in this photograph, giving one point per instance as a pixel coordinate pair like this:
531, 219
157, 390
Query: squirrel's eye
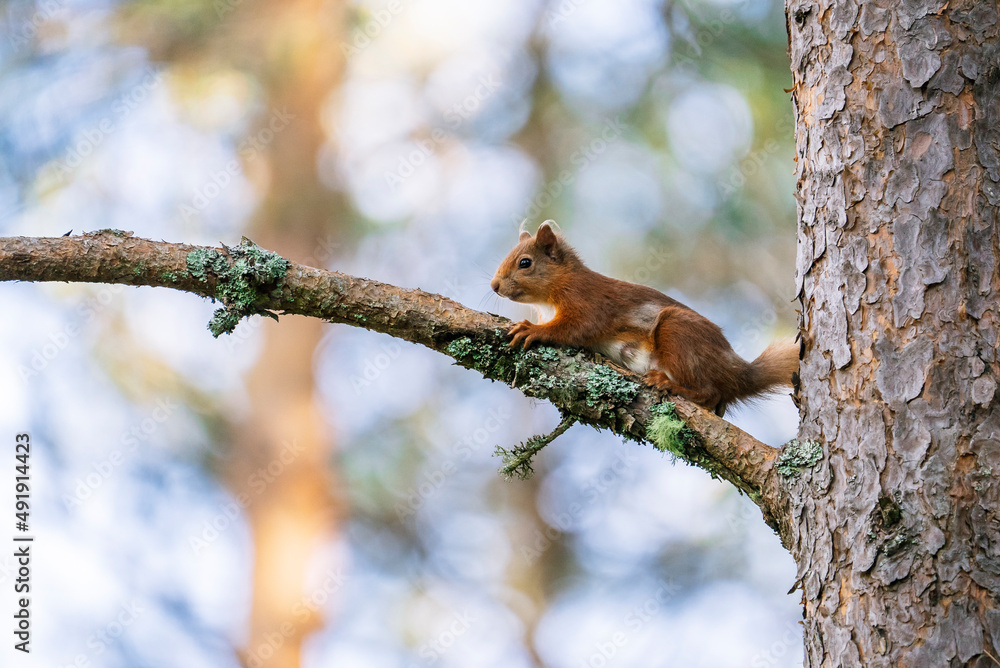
524, 263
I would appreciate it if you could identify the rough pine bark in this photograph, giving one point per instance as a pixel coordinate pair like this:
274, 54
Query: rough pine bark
896, 532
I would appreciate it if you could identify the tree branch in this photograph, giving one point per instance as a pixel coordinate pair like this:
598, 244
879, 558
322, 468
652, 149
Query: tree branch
247, 280
517, 461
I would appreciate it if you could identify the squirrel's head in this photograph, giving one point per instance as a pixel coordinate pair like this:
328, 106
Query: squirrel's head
535, 268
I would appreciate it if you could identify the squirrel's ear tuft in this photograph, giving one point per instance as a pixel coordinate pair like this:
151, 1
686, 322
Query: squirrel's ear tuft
524, 233
546, 239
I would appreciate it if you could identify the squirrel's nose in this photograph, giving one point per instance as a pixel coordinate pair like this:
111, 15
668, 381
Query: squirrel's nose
495, 284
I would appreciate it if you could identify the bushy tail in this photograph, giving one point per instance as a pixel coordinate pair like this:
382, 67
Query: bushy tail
772, 369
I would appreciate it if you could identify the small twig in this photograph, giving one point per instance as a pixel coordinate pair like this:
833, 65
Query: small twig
517, 462
259, 282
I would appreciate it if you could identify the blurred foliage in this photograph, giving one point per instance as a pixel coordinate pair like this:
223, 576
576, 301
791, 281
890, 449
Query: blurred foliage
657, 134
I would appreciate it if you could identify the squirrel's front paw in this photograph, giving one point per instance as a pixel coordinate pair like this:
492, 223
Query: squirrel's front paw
524, 333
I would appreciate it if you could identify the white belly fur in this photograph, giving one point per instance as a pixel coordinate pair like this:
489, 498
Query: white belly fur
637, 358
544, 312
634, 358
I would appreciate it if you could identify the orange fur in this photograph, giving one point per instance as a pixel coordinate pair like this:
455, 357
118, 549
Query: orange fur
641, 328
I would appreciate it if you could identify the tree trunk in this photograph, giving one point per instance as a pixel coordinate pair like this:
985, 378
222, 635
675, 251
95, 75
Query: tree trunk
295, 515
896, 533
281, 463
895, 529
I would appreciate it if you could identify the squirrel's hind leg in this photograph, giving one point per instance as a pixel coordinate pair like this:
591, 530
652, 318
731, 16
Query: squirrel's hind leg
682, 340
706, 397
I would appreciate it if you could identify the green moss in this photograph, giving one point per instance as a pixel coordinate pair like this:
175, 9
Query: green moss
606, 384
798, 455
244, 275
668, 432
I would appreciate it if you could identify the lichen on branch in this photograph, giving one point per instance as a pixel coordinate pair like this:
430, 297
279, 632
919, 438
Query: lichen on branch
668, 432
798, 455
250, 280
517, 462
243, 275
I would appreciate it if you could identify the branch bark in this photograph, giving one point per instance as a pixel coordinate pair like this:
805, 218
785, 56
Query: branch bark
247, 280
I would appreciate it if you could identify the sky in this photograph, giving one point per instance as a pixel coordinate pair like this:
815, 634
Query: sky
657, 136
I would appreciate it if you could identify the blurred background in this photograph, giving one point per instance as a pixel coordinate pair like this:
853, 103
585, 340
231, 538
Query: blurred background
301, 494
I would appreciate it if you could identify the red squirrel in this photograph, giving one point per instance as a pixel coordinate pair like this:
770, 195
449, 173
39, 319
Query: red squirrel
635, 326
